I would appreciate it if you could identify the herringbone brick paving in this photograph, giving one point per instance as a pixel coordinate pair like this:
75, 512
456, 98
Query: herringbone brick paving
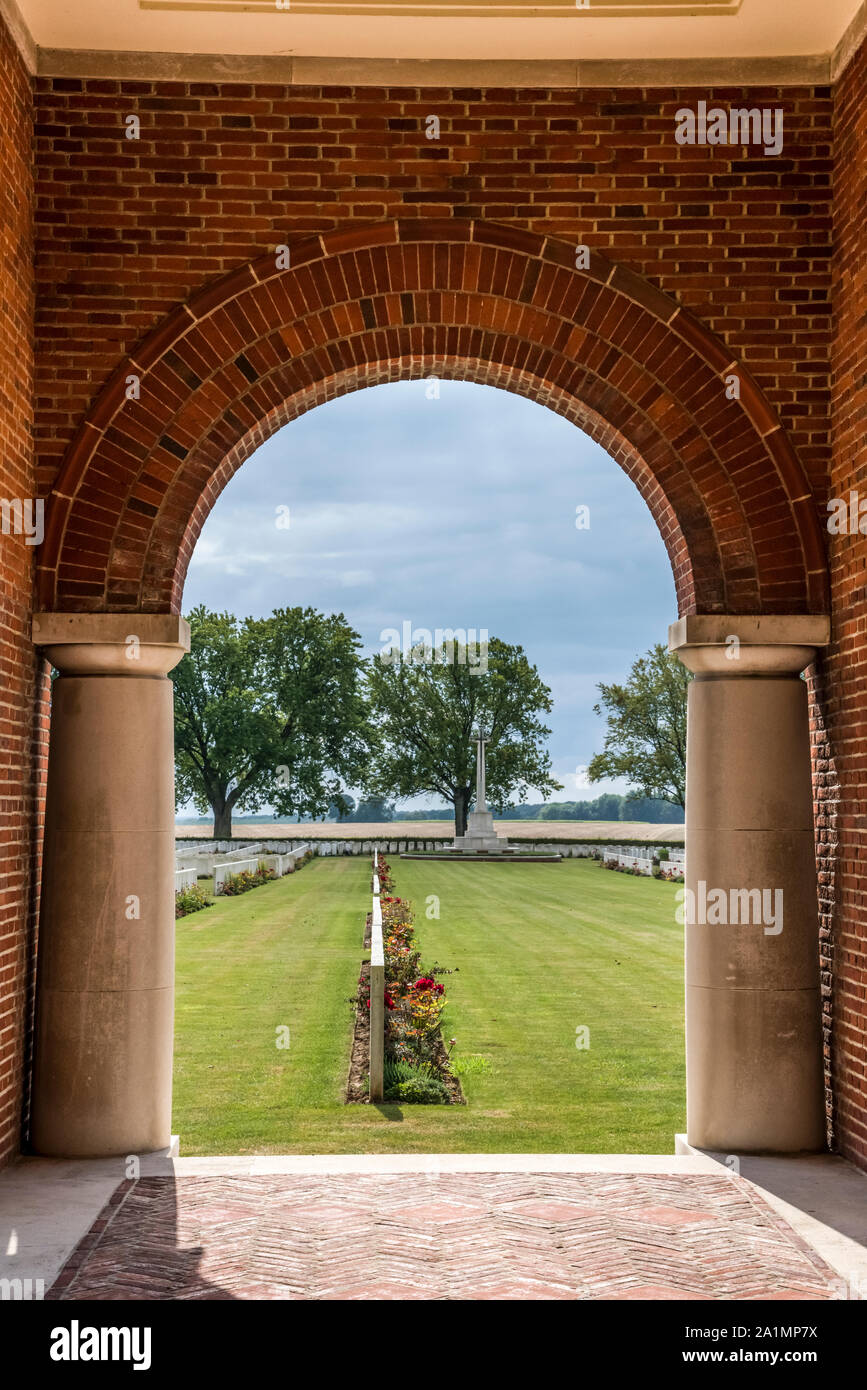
452, 1236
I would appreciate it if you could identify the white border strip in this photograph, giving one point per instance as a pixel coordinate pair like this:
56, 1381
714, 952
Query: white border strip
377, 999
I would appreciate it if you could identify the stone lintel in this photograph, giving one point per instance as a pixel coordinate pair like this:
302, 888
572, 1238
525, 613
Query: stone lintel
556, 73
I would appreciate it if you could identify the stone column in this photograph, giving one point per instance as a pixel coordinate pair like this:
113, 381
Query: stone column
753, 1013
105, 966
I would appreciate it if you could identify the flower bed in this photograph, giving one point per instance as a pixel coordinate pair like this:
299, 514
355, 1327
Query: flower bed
243, 882
417, 1062
671, 875
383, 871
191, 899
619, 868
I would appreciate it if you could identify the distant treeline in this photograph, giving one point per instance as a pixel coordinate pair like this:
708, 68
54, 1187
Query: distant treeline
606, 807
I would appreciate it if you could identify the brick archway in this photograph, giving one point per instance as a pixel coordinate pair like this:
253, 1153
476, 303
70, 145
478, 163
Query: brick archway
253, 350
474, 300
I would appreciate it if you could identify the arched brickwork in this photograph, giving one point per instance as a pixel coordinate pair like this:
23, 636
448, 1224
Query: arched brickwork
471, 300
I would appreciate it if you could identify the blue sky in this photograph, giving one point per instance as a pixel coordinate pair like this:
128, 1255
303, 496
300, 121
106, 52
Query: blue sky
451, 512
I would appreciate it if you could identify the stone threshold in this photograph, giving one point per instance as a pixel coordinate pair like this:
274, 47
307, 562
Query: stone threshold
320, 1165
47, 1205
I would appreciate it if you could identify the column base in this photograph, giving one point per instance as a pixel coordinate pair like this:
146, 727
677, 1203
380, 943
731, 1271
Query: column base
754, 1071
103, 1074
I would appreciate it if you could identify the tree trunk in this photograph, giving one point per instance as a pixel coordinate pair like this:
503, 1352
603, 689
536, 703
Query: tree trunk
222, 821
462, 805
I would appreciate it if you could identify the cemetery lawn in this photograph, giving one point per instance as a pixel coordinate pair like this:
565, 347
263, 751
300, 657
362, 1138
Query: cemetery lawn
541, 950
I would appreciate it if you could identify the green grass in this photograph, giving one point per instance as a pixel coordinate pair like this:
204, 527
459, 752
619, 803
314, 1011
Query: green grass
540, 950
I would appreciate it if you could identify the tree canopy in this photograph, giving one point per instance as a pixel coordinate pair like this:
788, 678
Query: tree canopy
425, 712
373, 808
269, 711
645, 741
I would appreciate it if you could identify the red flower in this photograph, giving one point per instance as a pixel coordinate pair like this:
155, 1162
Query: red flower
427, 983
389, 1002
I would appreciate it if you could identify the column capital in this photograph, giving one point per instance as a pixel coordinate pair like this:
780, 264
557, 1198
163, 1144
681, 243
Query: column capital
112, 644
748, 645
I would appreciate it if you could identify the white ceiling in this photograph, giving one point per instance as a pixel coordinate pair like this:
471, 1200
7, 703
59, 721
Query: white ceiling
760, 28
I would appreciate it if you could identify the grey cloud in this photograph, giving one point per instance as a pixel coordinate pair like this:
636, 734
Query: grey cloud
453, 512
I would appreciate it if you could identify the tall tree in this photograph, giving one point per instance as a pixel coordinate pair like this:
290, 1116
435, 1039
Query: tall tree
645, 740
426, 711
268, 711
373, 809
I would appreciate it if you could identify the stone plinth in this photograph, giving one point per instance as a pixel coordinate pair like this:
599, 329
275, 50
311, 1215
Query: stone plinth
481, 837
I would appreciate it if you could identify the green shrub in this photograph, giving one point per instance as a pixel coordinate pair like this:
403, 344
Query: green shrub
191, 899
395, 1070
422, 1090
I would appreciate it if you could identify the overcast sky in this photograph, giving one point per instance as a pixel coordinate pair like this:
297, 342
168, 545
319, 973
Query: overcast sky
452, 512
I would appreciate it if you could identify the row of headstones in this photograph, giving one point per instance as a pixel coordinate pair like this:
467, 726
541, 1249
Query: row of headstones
673, 852
431, 846
383, 846
221, 866
626, 856
281, 864
184, 848
628, 861
204, 855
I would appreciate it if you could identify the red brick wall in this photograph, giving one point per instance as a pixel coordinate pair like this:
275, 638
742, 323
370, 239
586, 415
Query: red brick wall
844, 854
404, 298
223, 172
18, 864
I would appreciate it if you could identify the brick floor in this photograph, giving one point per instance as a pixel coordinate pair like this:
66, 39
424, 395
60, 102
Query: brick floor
452, 1236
